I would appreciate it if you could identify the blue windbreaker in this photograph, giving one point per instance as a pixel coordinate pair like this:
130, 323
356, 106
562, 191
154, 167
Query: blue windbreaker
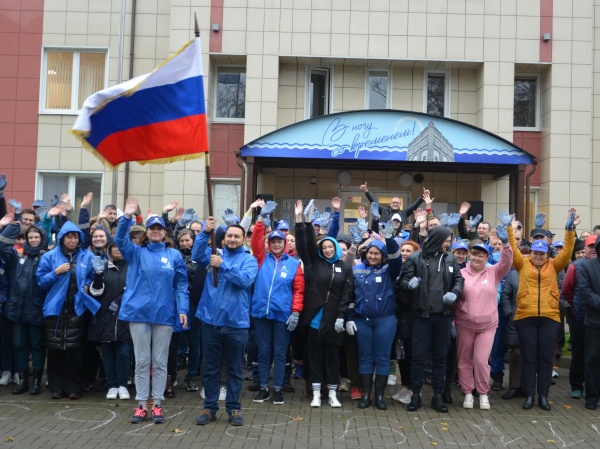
57, 285
157, 285
229, 303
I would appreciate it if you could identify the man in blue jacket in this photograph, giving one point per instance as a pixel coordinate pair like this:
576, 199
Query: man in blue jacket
225, 313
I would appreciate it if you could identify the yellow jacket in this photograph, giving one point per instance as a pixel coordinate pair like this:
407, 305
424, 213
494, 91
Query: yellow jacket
538, 293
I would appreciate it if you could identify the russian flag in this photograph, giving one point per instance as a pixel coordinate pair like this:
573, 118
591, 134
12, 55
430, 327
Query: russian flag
158, 118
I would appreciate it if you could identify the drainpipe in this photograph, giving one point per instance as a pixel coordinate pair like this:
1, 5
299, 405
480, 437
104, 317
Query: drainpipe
526, 229
131, 57
115, 174
244, 168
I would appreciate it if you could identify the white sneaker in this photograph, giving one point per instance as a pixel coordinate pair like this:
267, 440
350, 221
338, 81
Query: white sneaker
112, 393
124, 394
333, 400
468, 402
401, 392
405, 398
6, 377
223, 393
17, 379
202, 395
484, 402
316, 401
392, 379
554, 374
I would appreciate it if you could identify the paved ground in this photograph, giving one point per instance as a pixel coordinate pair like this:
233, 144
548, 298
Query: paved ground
93, 422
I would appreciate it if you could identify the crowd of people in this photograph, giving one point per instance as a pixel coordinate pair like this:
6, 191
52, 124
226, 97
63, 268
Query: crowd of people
404, 298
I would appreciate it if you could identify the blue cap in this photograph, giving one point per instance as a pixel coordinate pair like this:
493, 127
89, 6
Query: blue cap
276, 235
559, 244
283, 225
540, 245
460, 245
155, 220
316, 222
38, 203
483, 247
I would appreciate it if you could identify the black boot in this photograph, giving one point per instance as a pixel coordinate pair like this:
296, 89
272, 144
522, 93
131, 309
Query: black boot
23, 384
415, 403
36, 388
437, 402
528, 404
169, 391
543, 402
380, 384
367, 382
512, 393
447, 395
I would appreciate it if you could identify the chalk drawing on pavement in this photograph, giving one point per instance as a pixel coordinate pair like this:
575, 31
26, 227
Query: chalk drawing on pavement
361, 427
64, 415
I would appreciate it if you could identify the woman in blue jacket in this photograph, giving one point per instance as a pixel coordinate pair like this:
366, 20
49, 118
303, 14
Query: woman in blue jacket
373, 317
156, 299
65, 273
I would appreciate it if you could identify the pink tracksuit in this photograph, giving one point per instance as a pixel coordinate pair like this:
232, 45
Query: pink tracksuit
476, 318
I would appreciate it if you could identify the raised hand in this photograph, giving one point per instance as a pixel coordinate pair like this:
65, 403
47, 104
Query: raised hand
362, 212
336, 203
258, 203
189, 215
388, 230
131, 207
444, 219
474, 221
427, 198
86, 200
178, 215
572, 215
362, 225
229, 218
268, 208
325, 220
54, 200
453, 220
65, 198
375, 210
298, 209
6, 220
169, 207
356, 237
420, 216
308, 210
540, 220
17, 205
103, 215
505, 218
464, 208
315, 214
57, 210
363, 187
502, 233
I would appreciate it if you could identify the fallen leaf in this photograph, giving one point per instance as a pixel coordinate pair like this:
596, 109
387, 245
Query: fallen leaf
433, 443
551, 441
444, 424
444, 428
298, 418
113, 405
567, 406
550, 402
177, 431
9, 439
400, 427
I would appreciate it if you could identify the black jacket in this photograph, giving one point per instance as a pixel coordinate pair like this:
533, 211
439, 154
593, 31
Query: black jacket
508, 303
328, 286
386, 213
588, 279
107, 327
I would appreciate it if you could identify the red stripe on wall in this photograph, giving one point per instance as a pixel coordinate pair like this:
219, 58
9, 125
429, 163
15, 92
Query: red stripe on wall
545, 27
216, 17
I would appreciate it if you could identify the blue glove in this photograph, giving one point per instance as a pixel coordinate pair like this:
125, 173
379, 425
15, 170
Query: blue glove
268, 208
3, 183
388, 230
570, 225
189, 215
308, 210
502, 233
229, 218
54, 201
444, 219
114, 307
414, 282
16, 204
540, 220
474, 221
449, 298
453, 330
267, 222
453, 220
292, 321
356, 238
325, 220
375, 210
314, 215
362, 225
339, 325
98, 264
505, 218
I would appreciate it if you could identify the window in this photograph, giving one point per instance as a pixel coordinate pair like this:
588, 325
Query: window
317, 93
526, 102
437, 93
230, 96
75, 184
70, 76
226, 194
377, 89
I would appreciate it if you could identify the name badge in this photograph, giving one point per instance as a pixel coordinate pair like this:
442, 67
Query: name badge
451, 269
283, 275
164, 259
338, 270
22, 261
378, 279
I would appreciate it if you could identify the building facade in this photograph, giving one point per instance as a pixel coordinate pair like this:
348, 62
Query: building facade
523, 70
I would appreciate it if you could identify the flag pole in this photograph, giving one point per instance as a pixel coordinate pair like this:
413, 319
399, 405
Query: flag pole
209, 196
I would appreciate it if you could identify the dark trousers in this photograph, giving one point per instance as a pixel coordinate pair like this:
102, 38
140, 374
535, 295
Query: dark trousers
6, 345
28, 337
116, 357
592, 364
65, 371
351, 352
498, 348
537, 336
578, 341
405, 364
323, 360
451, 361
195, 348
514, 374
434, 331
272, 339
172, 361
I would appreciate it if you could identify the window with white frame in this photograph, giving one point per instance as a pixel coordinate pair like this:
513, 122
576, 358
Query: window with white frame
226, 194
75, 184
317, 92
437, 93
378, 89
526, 104
230, 94
69, 76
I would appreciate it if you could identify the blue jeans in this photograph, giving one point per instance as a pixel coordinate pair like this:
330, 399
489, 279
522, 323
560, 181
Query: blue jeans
272, 339
498, 348
223, 344
195, 348
375, 338
116, 358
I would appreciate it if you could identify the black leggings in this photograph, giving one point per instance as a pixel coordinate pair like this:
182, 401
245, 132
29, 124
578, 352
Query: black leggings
323, 360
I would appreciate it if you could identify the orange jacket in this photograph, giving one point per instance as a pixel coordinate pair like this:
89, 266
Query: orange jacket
538, 293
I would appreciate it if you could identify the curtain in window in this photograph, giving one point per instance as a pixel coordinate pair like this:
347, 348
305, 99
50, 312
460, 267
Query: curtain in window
59, 80
91, 75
